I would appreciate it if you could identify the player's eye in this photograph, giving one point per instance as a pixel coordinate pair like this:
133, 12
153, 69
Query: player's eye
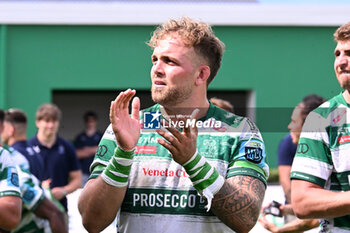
169, 61
154, 59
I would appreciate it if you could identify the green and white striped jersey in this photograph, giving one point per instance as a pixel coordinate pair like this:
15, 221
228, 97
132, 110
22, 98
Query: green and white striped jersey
9, 182
32, 196
160, 197
323, 152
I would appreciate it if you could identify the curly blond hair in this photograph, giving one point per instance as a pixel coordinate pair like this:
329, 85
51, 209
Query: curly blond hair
342, 33
196, 34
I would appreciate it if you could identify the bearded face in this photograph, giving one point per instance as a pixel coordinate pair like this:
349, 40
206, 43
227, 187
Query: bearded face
173, 72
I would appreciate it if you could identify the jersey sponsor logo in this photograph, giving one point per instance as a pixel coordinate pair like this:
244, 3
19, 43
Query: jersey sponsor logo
101, 150
302, 148
28, 195
344, 139
164, 172
148, 140
209, 147
254, 144
220, 129
249, 136
166, 200
151, 120
146, 149
109, 131
14, 180
36, 149
253, 154
339, 116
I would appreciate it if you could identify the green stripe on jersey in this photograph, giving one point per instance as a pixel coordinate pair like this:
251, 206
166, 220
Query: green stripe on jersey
249, 165
10, 193
331, 105
307, 177
98, 169
31, 227
4, 174
105, 150
337, 134
343, 179
315, 149
235, 171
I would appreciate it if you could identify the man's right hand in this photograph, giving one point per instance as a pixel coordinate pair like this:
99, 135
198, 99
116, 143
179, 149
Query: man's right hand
125, 127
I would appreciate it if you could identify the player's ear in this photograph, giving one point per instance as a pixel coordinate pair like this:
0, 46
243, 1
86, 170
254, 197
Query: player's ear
203, 75
37, 123
12, 130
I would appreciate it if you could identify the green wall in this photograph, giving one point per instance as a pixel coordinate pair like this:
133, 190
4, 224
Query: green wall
281, 64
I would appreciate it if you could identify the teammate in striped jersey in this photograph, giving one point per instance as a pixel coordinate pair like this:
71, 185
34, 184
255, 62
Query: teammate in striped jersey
39, 214
321, 167
10, 194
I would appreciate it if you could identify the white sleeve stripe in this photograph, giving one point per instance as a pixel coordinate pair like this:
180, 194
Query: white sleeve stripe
318, 136
209, 173
118, 174
192, 158
123, 161
112, 182
312, 167
200, 163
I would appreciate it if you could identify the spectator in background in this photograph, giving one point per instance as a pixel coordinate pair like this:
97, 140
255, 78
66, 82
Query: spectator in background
14, 135
39, 214
86, 143
288, 146
285, 156
285, 160
224, 104
61, 167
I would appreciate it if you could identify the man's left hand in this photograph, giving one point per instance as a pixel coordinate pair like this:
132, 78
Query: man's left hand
182, 145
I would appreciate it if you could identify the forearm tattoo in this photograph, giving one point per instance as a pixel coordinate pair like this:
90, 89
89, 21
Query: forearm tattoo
238, 203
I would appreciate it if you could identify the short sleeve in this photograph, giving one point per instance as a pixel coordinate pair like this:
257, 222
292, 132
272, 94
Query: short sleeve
104, 152
9, 181
249, 157
312, 160
32, 194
